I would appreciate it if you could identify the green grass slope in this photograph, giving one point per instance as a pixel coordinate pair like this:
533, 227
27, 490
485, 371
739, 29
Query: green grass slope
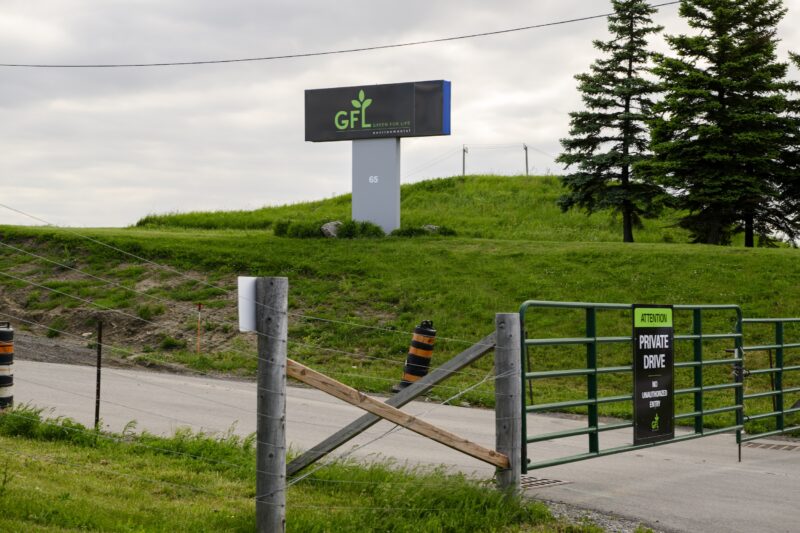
371, 292
492, 207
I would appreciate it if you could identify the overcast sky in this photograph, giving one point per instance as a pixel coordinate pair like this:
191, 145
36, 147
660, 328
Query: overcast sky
104, 147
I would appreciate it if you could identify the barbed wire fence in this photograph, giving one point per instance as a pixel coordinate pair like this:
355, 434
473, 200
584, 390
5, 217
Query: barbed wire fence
98, 310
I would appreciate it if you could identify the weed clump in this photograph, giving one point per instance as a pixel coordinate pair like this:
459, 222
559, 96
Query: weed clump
281, 227
304, 230
350, 229
148, 312
424, 231
56, 327
171, 343
359, 230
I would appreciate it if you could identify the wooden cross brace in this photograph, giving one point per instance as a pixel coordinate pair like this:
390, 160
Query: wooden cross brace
410, 422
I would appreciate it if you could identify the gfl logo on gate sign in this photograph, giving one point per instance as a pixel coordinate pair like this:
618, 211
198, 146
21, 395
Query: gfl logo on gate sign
356, 117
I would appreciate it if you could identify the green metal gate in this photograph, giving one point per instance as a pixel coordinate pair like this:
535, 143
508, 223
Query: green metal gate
728, 330
783, 381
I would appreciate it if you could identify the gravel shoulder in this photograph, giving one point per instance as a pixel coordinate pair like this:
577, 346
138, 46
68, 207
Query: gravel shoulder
29, 347
608, 522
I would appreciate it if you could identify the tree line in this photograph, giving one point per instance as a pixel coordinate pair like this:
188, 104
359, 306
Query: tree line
711, 130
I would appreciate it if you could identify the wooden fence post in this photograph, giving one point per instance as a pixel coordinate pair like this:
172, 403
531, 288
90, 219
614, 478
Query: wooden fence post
508, 406
272, 296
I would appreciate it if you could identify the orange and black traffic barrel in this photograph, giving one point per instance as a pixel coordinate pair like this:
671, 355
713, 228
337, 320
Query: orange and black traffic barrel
418, 361
6, 362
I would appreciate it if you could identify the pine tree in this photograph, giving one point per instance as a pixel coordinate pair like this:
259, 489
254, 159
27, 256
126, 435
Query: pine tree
610, 136
790, 193
720, 138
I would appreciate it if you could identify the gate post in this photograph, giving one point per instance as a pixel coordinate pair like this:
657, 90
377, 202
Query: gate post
508, 398
272, 296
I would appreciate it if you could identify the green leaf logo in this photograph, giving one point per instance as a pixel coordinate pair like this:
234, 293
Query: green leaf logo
350, 119
362, 101
654, 424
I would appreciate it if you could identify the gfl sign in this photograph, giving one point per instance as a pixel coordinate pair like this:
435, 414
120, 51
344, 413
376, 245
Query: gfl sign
350, 119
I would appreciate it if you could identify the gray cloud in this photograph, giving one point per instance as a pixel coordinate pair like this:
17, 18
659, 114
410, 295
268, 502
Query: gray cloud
105, 147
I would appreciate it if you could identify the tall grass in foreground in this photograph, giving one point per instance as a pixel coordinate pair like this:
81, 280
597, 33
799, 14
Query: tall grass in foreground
58, 475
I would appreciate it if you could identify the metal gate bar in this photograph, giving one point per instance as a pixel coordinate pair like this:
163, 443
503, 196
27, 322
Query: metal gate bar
778, 391
591, 371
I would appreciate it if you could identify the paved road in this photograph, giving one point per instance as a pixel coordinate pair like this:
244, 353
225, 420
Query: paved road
690, 486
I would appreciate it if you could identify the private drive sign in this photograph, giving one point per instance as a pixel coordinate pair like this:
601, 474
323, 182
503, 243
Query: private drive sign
653, 374
415, 109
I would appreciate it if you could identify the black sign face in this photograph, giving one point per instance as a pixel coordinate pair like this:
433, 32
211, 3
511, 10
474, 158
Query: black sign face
653, 374
415, 109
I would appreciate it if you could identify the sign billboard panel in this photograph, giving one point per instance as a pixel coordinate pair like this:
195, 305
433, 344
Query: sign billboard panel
653, 374
415, 109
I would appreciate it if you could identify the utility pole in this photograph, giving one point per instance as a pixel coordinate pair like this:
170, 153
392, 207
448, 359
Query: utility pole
272, 302
464, 151
525, 147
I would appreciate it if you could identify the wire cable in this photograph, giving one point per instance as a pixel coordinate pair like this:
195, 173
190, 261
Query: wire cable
238, 352
117, 404
132, 353
323, 53
356, 356
221, 289
149, 322
385, 434
156, 385
433, 162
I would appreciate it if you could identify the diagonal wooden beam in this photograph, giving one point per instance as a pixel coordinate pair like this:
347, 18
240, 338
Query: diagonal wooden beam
418, 388
354, 397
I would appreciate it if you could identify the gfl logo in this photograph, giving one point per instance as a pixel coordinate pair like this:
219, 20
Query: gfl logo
349, 119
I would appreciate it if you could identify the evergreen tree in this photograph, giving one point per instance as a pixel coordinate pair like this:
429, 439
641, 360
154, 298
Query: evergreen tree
610, 135
789, 222
720, 136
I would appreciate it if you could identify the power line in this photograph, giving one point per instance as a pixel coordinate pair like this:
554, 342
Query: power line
432, 162
323, 53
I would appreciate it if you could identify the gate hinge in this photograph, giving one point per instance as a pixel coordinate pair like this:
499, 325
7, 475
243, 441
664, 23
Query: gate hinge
739, 372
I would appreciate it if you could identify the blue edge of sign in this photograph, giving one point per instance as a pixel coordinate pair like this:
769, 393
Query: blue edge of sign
446, 107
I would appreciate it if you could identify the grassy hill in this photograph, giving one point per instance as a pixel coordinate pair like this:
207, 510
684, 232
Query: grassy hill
512, 245
487, 207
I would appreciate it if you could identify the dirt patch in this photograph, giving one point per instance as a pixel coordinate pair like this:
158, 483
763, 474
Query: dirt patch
29, 347
138, 310
55, 302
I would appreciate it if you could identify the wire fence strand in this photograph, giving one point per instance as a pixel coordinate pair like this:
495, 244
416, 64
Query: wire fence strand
223, 290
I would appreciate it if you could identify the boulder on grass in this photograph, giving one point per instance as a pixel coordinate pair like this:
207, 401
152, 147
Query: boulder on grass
331, 229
